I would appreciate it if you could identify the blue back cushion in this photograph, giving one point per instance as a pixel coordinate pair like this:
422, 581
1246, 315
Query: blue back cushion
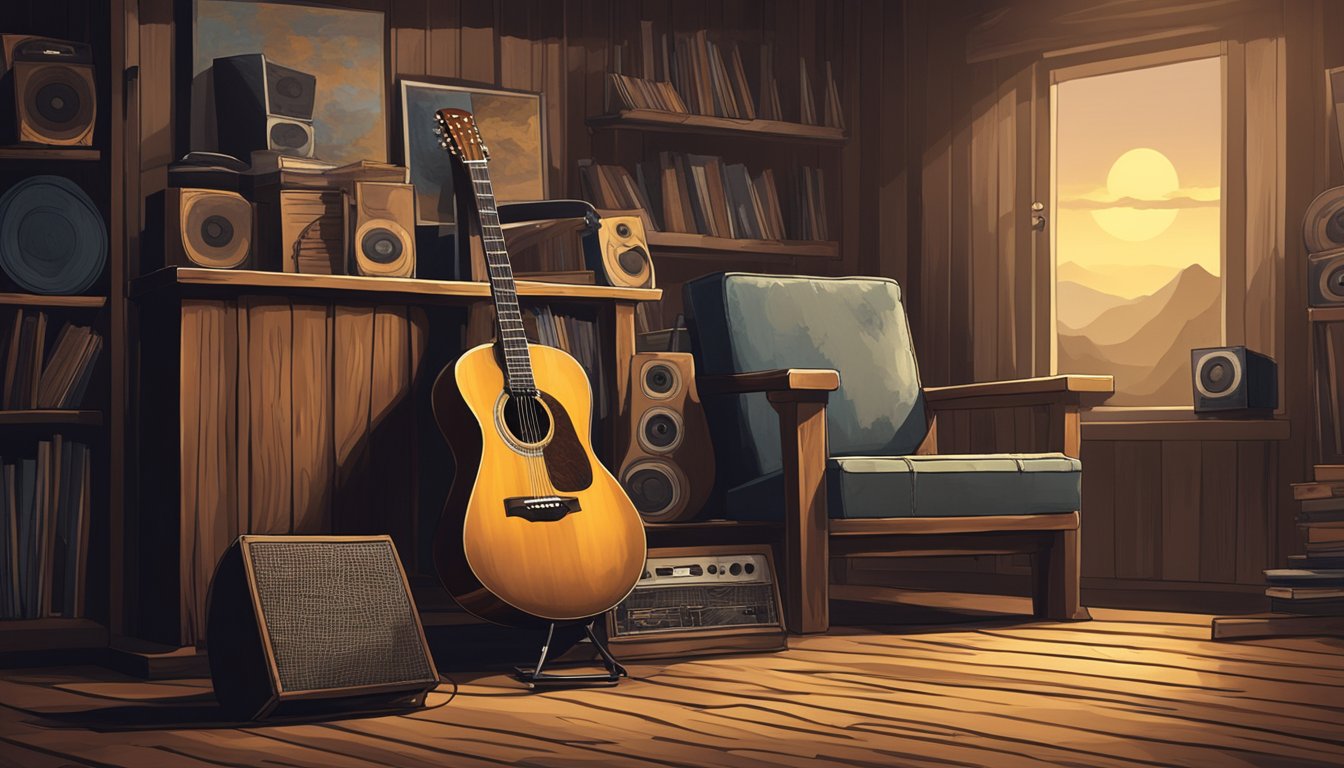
856, 325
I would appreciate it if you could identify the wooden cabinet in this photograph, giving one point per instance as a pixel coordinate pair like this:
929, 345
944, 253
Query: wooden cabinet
275, 403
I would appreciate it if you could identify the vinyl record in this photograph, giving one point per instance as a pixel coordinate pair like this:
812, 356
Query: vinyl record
52, 238
1323, 224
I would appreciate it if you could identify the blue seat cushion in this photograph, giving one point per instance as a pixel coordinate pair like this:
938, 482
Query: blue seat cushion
928, 486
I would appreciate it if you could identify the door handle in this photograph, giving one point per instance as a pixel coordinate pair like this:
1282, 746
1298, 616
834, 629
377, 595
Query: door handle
1038, 216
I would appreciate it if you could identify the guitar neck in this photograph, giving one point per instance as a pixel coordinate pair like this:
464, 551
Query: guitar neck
503, 290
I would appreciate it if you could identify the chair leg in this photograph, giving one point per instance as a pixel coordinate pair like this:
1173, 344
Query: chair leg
1056, 593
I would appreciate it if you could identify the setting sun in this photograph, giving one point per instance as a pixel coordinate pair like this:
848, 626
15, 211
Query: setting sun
1139, 174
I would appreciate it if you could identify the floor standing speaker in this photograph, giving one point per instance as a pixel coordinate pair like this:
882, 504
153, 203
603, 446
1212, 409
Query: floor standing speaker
49, 83
304, 625
262, 105
668, 469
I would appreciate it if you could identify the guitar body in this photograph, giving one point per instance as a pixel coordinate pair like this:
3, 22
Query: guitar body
508, 550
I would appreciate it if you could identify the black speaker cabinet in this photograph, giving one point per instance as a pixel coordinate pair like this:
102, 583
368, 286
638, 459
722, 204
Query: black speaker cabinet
262, 105
50, 85
1325, 281
208, 228
622, 252
310, 625
1234, 379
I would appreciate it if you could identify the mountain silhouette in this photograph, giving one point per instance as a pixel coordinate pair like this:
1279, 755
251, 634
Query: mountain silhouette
1079, 305
1109, 278
1146, 343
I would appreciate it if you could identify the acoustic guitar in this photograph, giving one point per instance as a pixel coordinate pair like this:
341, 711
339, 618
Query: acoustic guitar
535, 528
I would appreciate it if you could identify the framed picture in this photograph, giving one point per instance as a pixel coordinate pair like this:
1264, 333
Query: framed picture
343, 48
510, 123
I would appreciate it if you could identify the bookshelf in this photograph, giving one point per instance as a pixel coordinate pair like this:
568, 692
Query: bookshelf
51, 417
677, 122
35, 300
1326, 314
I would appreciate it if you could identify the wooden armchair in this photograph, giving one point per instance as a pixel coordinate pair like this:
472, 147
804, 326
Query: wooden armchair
869, 482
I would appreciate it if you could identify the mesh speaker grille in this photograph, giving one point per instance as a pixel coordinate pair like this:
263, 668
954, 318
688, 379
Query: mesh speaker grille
337, 614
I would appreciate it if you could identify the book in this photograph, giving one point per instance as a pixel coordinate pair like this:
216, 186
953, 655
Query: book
1315, 562
1318, 490
1322, 607
1325, 473
12, 358
1290, 577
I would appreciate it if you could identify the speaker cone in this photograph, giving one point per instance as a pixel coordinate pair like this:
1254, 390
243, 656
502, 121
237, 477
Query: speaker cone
661, 380
59, 101
218, 229
660, 430
381, 245
1332, 282
288, 136
655, 488
1219, 374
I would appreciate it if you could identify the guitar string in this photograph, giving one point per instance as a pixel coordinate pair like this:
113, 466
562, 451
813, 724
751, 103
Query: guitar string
524, 404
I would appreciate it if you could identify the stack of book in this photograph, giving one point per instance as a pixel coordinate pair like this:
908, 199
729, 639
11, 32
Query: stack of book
35, 379
576, 336
704, 195
44, 531
697, 74
1314, 584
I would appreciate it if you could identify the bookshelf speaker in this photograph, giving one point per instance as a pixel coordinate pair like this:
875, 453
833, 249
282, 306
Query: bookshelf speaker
1234, 379
262, 105
207, 228
668, 468
384, 227
303, 625
50, 85
1325, 285
624, 250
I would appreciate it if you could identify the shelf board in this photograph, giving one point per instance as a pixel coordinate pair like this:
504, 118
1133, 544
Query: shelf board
175, 281
50, 634
51, 417
676, 122
1326, 314
22, 152
678, 243
38, 300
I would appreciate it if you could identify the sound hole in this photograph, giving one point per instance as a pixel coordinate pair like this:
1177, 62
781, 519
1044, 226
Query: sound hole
633, 260
526, 419
650, 490
381, 246
216, 231
659, 379
288, 135
1217, 376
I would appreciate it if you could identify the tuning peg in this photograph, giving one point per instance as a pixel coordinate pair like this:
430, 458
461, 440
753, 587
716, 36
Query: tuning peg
438, 131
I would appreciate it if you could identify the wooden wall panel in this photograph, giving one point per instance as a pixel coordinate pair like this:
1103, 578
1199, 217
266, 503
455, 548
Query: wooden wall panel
312, 414
270, 448
1218, 513
1097, 517
1182, 462
352, 380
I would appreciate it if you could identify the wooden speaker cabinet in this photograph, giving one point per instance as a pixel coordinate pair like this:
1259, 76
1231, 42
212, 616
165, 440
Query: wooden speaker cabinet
668, 468
50, 85
207, 228
315, 624
383, 220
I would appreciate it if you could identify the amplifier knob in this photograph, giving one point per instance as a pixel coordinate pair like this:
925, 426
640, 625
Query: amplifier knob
735, 568
713, 569
750, 567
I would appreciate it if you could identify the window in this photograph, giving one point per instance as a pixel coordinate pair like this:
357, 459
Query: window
1138, 165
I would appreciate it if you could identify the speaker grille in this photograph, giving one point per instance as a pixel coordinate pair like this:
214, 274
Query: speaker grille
337, 614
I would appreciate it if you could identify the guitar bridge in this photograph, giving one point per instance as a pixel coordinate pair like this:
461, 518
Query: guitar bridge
541, 509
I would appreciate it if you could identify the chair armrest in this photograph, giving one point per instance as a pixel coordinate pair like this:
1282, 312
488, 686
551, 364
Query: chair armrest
779, 381
1068, 389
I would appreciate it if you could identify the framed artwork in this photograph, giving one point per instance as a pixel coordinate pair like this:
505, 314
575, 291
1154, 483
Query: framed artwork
510, 123
343, 48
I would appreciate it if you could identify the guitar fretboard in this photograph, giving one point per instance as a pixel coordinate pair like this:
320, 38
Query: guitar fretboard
512, 338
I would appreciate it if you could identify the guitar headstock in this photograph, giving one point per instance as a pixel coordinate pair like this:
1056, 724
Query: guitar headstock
459, 135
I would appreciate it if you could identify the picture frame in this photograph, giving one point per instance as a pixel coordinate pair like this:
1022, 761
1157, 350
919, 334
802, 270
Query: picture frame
512, 122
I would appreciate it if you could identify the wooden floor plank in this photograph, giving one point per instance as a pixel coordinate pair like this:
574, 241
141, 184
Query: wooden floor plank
1128, 689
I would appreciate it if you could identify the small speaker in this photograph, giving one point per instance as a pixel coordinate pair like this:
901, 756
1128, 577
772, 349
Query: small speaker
262, 105
50, 84
623, 251
304, 625
1325, 284
384, 229
668, 469
207, 228
1323, 223
1234, 379
312, 231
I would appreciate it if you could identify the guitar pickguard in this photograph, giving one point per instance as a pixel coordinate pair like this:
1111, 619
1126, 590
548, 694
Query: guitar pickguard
565, 458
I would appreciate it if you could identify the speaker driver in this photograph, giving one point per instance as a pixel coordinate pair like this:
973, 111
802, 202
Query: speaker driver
1323, 224
381, 245
382, 248
289, 136
660, 430
662, 380
1326, 282
1219, 373
656, 489
59, 101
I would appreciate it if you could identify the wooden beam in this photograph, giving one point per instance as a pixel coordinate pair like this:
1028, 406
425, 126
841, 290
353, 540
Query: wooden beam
796, 380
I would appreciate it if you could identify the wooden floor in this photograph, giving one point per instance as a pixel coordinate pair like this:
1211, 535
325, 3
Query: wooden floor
1128, 688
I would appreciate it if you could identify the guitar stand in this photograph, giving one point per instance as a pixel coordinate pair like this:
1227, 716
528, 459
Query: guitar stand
537, 677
